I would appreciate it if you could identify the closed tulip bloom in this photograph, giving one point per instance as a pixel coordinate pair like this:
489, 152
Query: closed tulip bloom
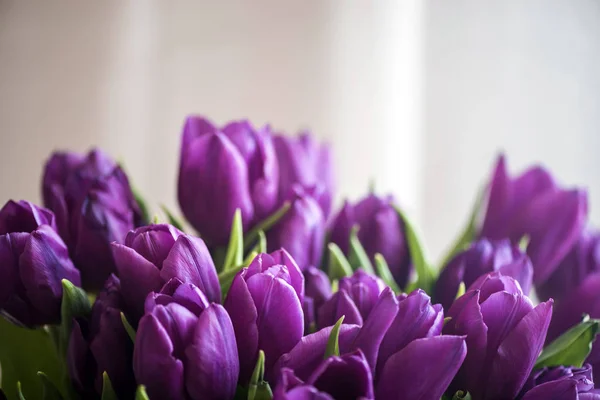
33, 262
306, 163
184, 352
481, 257
565, 383
301, 231
345, 377
317, 291
265, 305
153, 254
505, 334
223, 169
380, 231
582, 260
94, 206
101, 344
533, 205
356, 297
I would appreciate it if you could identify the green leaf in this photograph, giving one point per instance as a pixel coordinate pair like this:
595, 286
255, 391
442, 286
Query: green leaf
24, 352
75, 303
140, 393
50, 392
20, 391
226, 279
461, 290
384, 273
333, 343
460, 395
357, 256
261, 244
339, 267
446, 320
335, 285
142, 203
425, 276
266, 224
468, 233
108, 393
572, 347
173, 220
235, 249
258, 388
128, 328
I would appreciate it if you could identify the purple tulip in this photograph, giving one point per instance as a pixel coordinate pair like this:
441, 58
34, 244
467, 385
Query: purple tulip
33, 262
345, 377
154, 254
380, 231
533, 205
505, 335
265, 305
222, 170
94, 206
317, 291
304, 162
568, 383
101, 344
301, 231
185, 346
481, 257
582, 260
356, 297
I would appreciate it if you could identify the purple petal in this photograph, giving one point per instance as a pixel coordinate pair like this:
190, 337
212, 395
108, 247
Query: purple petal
339, 304
342, 226
351, 369
77, 358
153, 242
520, 269
558, 390
23, 216
175, 291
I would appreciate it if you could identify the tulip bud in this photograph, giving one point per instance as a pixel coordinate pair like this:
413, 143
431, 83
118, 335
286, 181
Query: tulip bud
355, 299
300, 231
505, 334
304, 162
560, 382
185, 347
582, 260
222, 170
265, 305
345, 377
33, 262
380, 231
153, 254
533, 205
481, 257
317, 292
94, 206
101, 344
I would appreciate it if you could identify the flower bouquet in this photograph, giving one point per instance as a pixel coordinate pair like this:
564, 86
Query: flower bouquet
266, 294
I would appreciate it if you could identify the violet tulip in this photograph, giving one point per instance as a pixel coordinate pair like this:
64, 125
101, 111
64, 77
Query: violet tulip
101, 344
306, 163
153, 254
223, 169
505, 334
94, 206
317, 290
481, 257
381, 230
265, 305
185, 346
33, 262
565, 383
532, 205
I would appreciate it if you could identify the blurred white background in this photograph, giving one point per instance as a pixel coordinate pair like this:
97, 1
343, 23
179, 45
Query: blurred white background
419, 96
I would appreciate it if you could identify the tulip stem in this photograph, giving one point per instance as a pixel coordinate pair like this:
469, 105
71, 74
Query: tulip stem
265, 225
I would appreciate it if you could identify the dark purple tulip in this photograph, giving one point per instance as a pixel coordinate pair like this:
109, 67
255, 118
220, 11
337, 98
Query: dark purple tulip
317, 291
481, 257
101, 344
185, 347
582, 260
265, 305
94, 206
345, 377
306, 163
33, 262
533, 205
225, 169
381, 231
505, 335
154, 254
564, 383
356, 297
301, 231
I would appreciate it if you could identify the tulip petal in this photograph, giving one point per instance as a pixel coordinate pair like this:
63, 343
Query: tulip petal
282, 257
351, 369
521, 270
388, 239
11, 247
423, 369
339, 304
342, 226
77, 358
153, 242
304, 393
555, 390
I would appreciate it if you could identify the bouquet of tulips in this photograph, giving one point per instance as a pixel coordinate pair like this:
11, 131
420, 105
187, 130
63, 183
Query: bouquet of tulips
264, 293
